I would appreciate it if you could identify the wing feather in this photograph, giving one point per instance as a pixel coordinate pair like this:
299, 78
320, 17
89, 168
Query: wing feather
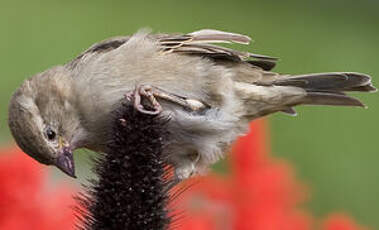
202, 42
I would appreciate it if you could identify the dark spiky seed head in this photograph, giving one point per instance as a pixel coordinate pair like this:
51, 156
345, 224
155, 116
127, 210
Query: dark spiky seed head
130, 191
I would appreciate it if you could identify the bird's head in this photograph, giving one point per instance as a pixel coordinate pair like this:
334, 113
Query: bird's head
44, 122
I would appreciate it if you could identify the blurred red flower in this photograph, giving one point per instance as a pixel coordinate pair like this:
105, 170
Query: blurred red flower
259, 193
26, 199
340, 222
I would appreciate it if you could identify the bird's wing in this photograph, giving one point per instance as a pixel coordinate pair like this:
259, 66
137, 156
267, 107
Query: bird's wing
201, 43
100, 47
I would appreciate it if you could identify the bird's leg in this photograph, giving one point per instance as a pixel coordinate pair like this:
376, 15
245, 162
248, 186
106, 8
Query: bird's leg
151, 93
187, 103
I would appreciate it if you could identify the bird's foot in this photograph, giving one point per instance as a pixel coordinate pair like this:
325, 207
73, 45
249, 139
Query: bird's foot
188, 167
146, 92
151, 93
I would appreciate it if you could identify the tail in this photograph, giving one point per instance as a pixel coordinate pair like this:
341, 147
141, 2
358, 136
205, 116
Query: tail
284, 92
329, 88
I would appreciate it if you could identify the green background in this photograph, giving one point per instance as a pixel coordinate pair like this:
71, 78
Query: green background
334, 150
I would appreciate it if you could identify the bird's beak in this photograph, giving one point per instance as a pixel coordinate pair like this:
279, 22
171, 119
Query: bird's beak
65, 160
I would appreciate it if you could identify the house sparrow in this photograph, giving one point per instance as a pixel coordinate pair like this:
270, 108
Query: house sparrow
209, 92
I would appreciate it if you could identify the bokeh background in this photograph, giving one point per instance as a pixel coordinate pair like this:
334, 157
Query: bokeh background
335, 151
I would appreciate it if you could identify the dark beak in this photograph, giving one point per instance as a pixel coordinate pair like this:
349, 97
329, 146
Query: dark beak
65, 162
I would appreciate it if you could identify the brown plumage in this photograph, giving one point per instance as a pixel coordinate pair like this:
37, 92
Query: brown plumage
231, 87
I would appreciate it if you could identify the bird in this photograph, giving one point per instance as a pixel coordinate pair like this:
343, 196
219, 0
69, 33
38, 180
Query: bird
209, 92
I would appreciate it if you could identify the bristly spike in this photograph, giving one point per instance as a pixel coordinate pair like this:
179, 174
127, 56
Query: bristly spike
131, 189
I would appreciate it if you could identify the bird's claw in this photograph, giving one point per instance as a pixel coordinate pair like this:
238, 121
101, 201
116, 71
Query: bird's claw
152, 93
136, 97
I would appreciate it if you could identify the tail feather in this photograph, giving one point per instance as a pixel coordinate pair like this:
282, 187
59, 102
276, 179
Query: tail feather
339, 81
330, 98
285, 92
364, 88
329, 88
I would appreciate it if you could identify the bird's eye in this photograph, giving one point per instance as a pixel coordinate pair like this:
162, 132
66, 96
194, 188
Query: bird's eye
50, 134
